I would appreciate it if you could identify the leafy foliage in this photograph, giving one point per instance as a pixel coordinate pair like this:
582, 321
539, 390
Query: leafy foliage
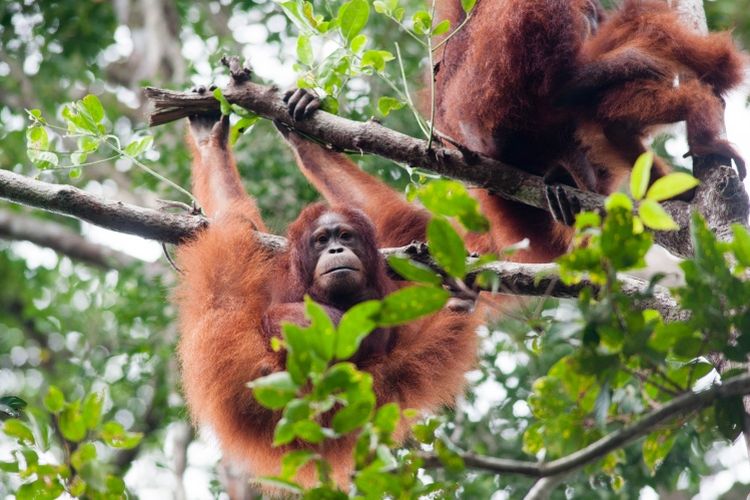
86, 355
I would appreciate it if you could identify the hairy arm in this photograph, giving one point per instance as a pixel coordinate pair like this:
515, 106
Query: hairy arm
341, 182
616, 67
222, 296
216, 181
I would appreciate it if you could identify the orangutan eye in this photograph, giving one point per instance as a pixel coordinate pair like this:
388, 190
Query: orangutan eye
321, 239
344, 236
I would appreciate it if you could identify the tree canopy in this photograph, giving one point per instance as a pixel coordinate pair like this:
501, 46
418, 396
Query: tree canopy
603, 385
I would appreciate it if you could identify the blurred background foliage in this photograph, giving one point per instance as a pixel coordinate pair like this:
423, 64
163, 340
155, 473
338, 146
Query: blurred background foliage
109, 329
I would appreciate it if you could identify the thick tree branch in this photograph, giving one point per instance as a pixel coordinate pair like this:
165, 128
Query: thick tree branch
543, 280
718, 198
681, 405
115, 215
519, 279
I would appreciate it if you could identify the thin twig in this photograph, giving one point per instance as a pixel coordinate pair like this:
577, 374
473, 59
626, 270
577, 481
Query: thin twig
681, 405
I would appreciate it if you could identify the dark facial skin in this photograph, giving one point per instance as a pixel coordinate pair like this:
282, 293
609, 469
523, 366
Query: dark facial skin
339, 272
340, 278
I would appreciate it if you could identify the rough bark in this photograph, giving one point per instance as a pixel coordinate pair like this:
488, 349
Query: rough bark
721, 206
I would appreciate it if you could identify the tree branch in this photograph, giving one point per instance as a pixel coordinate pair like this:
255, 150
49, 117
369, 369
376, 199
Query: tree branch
543, 280
521, 279
115, 215
681, 405
475, 169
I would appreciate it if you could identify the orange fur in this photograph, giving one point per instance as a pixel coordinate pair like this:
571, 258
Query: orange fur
231, 286
535, 84
691, 73
496, 87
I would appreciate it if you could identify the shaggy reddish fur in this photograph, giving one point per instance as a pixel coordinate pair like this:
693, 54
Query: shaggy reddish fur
234, 293
496, 87
615, 119
503, 80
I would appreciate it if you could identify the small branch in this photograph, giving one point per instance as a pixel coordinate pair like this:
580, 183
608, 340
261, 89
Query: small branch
681, 405
371, 137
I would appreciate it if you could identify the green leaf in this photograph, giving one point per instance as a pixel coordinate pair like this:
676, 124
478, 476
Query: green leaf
115, 486
387, 104
115, 435
447, 247
656, 447
83, 455
293, 461
410, 303
741, 244
452, 199
354, 326
35, 113
421, 22
243, 126
339, 378
376, 59
618, 200
425, 432
37, 138
443, 27
586, 220
226, 107
304, 50
671, 185
274, 391
641, 175
297, 409
654, 216
92, 410
72, 425
88, 144
309, 431
54, 401
668, 335
468, 5
358, 43
413, 271
93, 107
352, 17
9, 466
43, 159
353, 416
386, 418
79, 123
18, 429
322, 331
138, 146
284, 432
299, 352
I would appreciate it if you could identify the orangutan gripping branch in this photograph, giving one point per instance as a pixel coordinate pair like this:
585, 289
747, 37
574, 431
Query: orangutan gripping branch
234, 295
